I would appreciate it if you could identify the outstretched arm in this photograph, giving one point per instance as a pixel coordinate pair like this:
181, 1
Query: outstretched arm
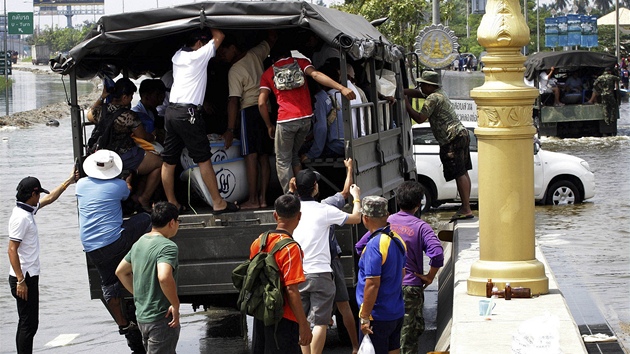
346, 186
324, 80
55, 193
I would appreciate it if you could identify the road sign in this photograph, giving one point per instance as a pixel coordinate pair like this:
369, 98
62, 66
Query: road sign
20, 23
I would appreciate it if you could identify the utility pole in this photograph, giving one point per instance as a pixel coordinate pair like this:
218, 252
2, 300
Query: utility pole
436, 12
6, 67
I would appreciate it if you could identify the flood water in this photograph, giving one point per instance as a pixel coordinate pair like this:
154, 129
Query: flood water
31, 91
588, 242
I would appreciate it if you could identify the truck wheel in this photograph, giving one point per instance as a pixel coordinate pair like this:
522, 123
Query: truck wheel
562, 193
427, 200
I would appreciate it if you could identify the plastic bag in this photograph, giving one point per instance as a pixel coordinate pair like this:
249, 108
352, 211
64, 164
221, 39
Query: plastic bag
538, 335
366, 346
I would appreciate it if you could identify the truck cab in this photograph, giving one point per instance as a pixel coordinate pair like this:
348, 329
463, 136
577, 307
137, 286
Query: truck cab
210, 246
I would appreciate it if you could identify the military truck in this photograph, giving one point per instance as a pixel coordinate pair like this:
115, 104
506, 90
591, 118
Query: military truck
574, 119
210, 247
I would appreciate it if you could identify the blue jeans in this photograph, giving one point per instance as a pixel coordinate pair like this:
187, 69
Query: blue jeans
28, 313
106, 259
158, 337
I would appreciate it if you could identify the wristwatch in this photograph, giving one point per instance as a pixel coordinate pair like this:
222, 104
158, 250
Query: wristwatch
364, 321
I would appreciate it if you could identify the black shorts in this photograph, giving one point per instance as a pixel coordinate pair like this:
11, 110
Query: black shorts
455, 156
286, 335
254, 135
181, 132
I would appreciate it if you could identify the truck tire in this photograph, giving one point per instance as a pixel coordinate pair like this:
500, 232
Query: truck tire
427, 201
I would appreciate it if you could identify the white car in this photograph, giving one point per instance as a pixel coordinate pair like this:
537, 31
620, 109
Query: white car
558, 178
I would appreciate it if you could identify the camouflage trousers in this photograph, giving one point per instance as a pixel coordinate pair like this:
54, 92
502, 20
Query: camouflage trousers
413, 322
611, 110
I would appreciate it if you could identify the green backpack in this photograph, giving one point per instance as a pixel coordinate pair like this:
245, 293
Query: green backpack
258, 282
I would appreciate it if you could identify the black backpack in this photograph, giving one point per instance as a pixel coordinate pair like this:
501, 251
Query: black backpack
101, 135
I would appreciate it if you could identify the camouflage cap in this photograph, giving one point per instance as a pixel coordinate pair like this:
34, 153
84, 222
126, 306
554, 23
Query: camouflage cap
374, 206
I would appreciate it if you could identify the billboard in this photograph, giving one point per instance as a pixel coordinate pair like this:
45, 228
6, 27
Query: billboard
67, 2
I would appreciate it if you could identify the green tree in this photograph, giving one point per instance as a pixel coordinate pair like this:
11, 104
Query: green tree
61, 39
405, 17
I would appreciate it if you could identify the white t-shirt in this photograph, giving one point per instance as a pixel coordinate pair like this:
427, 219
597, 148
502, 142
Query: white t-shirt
359, 130
545, 83
190, 74
312, 234
23, 229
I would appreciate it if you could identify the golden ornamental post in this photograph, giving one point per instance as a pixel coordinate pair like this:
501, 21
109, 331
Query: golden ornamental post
506, 166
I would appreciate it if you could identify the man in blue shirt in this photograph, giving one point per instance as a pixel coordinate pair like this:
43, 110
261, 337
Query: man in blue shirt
379, 287
152, 92
106, 238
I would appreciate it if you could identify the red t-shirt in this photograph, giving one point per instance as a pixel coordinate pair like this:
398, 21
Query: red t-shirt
289, 260
293, 104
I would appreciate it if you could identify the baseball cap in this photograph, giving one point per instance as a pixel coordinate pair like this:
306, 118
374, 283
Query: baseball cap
374, 206
29, 185
305, 181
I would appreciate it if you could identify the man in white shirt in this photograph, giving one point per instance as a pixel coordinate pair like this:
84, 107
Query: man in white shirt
548, 84
23, 253
184, 123
312, 233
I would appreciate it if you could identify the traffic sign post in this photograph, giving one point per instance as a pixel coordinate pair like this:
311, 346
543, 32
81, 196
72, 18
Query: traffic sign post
20, 22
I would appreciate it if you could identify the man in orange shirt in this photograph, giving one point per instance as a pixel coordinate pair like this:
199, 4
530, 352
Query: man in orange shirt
293, 330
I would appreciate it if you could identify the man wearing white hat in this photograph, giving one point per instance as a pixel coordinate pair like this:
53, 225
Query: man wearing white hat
106, 238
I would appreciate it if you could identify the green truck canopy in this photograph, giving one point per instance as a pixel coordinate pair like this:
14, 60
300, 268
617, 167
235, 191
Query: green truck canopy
567, 60
144, 42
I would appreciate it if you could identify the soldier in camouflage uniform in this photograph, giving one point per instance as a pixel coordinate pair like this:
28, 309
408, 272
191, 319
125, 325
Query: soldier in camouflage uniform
605, 88
450, 134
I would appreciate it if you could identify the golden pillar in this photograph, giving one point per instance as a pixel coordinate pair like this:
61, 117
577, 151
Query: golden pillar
506, 164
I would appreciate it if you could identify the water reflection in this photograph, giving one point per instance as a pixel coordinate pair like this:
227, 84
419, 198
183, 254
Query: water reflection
31, 91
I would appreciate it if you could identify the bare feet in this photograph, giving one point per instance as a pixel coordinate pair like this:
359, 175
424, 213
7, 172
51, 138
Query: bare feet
263, 201
250, 205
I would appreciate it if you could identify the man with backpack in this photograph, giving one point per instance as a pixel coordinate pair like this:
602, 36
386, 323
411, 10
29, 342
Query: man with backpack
292, 330
286, 79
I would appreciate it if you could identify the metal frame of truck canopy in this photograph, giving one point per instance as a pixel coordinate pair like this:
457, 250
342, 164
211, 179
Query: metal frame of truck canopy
210, 247
571, 120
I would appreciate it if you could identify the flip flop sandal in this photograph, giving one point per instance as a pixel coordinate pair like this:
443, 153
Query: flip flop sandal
230, 208
461, 217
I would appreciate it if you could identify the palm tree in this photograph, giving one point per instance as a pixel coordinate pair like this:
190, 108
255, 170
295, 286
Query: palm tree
603, 5
560, 4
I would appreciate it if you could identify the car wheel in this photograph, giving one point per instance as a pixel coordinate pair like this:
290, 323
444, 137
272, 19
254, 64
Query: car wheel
427, 199
563, 193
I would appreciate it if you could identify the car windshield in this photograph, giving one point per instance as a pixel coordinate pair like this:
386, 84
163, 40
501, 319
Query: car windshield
423, 136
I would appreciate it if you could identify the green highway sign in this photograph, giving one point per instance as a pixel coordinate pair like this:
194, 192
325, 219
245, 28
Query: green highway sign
20, 22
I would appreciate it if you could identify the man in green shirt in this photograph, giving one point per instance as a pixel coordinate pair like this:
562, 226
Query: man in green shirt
149, 272
450, 134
